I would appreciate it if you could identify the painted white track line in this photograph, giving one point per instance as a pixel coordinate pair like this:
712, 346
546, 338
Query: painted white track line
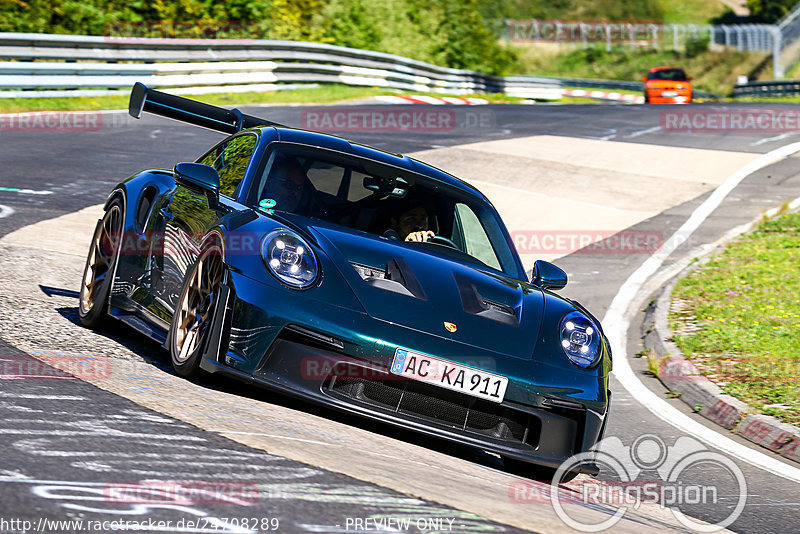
616, 323
5, 211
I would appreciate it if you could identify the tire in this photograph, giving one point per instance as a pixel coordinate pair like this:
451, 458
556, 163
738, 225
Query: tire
193, 317
101, 264
536, 472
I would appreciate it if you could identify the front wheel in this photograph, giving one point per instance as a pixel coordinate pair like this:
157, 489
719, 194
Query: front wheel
193, 317
98, 274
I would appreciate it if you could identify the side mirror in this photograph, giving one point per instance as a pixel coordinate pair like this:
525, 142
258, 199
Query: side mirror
548, 276
199, 178
644, 78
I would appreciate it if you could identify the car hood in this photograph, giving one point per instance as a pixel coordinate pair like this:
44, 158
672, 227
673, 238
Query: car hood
668, 84
429, 288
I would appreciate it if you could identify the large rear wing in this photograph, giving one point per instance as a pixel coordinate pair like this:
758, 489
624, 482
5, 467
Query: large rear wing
183, 109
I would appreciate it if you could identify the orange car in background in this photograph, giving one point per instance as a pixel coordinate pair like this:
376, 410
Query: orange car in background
667, 85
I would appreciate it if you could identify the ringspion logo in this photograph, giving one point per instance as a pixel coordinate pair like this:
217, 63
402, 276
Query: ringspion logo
683, 470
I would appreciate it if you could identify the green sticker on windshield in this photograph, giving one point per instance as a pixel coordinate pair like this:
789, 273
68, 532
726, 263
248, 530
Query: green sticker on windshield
267, 204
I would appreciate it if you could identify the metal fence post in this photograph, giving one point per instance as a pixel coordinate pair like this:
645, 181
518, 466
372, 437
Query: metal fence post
777, 67
674, 37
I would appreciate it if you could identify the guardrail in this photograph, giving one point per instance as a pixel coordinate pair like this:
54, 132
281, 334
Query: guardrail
768, 89
590, 83
38, 64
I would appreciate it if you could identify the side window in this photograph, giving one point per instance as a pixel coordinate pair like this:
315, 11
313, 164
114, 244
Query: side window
477, 242
209, 158
325, 177
357, 189
231, 159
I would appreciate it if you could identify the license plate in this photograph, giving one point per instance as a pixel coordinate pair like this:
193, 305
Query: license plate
449, 375
669, 93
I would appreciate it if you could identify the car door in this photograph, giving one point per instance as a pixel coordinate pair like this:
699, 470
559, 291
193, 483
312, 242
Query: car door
186, 218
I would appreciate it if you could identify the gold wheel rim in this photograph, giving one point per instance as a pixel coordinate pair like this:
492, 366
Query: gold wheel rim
195, 309
100, 262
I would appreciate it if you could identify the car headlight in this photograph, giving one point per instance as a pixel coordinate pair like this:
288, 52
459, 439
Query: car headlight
580, 339
289, 258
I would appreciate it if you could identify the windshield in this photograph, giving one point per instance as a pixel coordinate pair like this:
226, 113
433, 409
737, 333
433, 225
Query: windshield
382, 200
668, 74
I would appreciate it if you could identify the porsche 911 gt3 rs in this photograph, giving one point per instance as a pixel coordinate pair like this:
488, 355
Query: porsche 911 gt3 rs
363, 280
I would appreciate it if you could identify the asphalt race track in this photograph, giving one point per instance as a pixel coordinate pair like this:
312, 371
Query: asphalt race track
66, 442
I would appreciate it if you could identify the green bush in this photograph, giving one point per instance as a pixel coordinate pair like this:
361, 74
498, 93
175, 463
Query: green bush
696, 46
769, 10
452, 33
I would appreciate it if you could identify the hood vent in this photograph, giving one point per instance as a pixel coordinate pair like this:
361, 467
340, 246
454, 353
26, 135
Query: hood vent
474, 303
365, 271
397, 278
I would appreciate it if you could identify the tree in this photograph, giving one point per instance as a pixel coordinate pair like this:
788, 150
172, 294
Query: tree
769, 10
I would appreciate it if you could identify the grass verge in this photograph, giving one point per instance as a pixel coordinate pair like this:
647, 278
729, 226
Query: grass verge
740, 314
692, 11
324, 94
776, 99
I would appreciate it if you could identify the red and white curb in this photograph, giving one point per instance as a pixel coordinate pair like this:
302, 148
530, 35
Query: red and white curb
707, 398
701, 394
435, 100
605, 95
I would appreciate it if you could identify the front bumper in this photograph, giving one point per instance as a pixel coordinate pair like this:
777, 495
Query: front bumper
655, 97
340, 358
